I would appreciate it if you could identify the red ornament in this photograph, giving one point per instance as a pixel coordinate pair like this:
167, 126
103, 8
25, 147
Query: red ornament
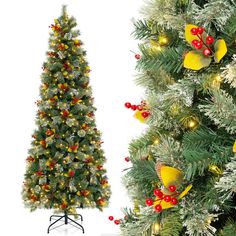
137, 56
209, 39
194, 42
140, 108
30, 159
49, 132
71, 173
149, 202
43, 143
174, 201
117, 222
127, 159
65, 113
198, 45
100, 167
63, 205
207, 52
111, 218
172, 188
145, 114
128, 105
158, 193
39, 173
134, 107
158, 208
200, 30
167, 198
194, 31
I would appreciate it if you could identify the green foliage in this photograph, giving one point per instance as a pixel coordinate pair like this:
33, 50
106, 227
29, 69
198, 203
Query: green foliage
222, 110
167, 224
169, 60
142, 29
229, 229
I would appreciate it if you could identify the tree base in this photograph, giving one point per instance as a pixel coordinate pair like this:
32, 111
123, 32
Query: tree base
66, 220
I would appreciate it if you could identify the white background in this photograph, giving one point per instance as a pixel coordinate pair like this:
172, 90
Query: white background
105, 27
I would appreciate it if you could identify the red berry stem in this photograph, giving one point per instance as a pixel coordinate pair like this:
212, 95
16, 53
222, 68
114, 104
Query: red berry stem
200, 37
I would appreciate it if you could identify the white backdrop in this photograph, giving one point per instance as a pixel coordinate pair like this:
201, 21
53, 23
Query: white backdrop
105, 27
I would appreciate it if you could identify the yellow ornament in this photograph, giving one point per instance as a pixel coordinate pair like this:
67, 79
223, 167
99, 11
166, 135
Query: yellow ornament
215, 170
234, 147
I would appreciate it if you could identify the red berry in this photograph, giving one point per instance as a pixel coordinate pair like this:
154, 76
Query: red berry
194, 42
137, 56
117, 222
134, 107
127, 159
149, 202
207, 52
128, 105
194, 31
174, 201
140, 108
145, 114
158, 208
172, 188
71, 173
111, 218
198, 45
200, 30
209, 39
158, 193
167, 198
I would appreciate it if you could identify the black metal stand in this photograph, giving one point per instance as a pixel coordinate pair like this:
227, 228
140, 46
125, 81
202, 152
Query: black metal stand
66, 219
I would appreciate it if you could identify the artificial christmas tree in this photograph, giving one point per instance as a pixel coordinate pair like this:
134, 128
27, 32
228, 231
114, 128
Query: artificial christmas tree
65, 163
183, 167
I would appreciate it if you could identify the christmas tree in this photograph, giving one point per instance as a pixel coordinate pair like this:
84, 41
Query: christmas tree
65, 163
182, 177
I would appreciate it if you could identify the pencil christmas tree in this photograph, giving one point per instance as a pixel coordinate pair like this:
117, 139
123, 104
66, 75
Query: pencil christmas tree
65, 163
182, 177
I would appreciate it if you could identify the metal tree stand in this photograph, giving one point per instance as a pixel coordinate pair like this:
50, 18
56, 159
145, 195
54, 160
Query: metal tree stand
67, 220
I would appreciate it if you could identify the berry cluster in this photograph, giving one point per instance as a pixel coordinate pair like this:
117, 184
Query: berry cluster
201, 44
111, 218
163, 197
140, 107
137, 56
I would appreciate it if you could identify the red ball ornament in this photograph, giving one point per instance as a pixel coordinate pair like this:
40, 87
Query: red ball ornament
194, 42
145, 114
117, 222
194, 31
139, 107
128, 105
137, 56
158, 193
209, 39
127, 159
198, 45
200, 30
207, 52
172, 188
174, 201
158, 208
111, 218
149, 202
71, 173
134, 107
167, 198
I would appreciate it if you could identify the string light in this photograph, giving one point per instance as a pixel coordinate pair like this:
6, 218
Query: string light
156, 228
157, 141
